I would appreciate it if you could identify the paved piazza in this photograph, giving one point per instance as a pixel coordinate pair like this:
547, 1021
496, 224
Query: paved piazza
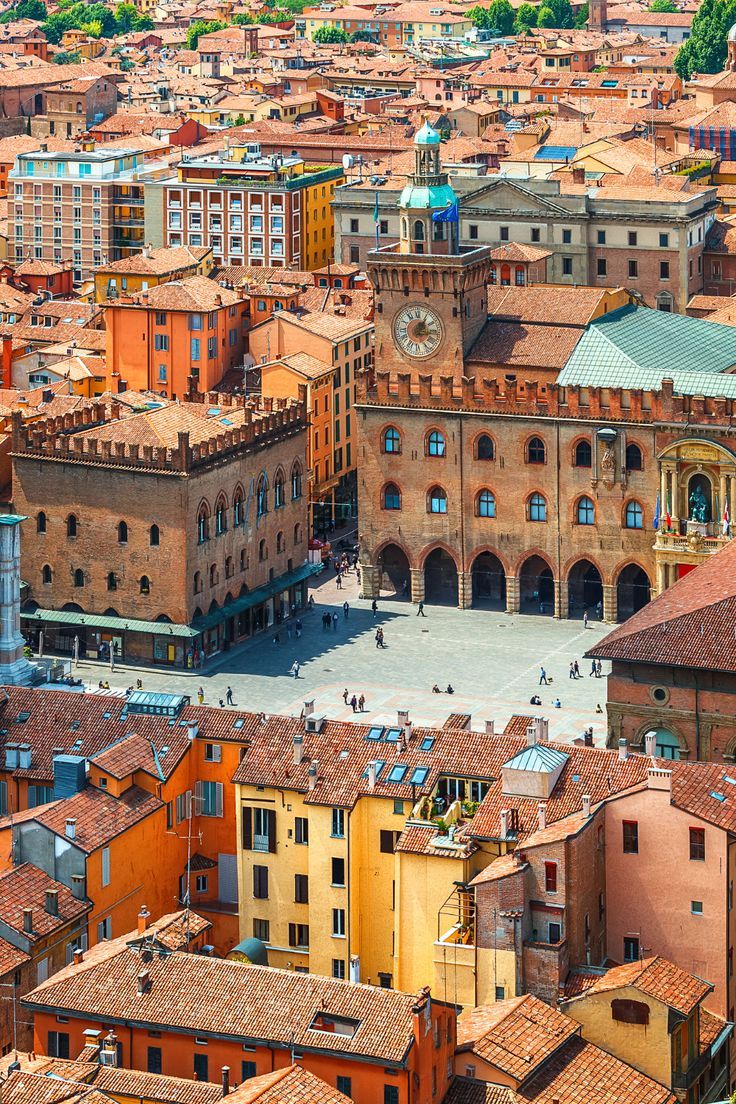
491, 659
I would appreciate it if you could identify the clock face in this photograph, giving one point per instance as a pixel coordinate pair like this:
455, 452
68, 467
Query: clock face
417, 331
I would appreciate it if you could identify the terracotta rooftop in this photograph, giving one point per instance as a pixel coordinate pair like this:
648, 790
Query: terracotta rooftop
657, 978
217, 997
158, 262
194, 293
99, 816
26, 886
515, 1036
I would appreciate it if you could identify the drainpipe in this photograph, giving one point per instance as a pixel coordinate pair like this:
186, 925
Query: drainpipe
697, 719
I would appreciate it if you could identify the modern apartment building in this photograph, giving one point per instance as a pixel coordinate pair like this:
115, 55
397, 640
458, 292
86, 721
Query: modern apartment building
252, 209
87, 205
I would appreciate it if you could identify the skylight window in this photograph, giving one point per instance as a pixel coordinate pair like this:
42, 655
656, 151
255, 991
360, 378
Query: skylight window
22, 717
427, 743
375, 732
718, 796
392, 735
419, 776
239, 723
396, 774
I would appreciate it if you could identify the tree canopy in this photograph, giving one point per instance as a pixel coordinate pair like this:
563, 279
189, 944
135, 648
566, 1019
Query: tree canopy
25, 9
96, 20
705, 51
526, 18
331, 34
202, 27
663, 6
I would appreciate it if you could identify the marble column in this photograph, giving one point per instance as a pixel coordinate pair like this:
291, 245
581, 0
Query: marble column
513, 594
417, 584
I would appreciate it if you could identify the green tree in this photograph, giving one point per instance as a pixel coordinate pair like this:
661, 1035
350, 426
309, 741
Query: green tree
202, 27
331, 34
241, 19
66, 57
546, 17
56, 24
479, 16
663, 6
125, 17
562, 11
240, 120
361, 36
526, 18
581, 19
705, 50
501, 17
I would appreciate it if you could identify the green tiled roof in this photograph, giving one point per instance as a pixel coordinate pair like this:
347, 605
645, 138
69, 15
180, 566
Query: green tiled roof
639, 347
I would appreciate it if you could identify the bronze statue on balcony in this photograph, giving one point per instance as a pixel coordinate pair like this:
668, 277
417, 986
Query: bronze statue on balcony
699, 505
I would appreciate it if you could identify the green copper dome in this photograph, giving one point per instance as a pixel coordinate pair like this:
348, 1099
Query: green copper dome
427, 136
418, 197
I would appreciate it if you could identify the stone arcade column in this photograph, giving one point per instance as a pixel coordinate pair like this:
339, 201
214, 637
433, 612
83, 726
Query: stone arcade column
610, 602
15, 669
513, 594
465, 589
417, 584
562, 602
370, 580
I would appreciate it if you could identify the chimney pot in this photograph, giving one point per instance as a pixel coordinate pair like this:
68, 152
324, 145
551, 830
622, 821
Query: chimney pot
504, 824
586, 805
144, 918
623, 749
308, 707
542, 815
143, 982
28, 921
298, 749
70, 829
372, 774
78, 956
52, 902
403, 716
225, 1080
650, 744
490, 725
531, 734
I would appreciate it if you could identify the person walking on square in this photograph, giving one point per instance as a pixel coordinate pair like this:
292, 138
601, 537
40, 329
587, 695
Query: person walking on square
543, 677
200, 695
374, 607
334, 622
295, 668
354, 703
576, 668
346, 610
585, 619
229, 696
339, 581
598, 669
345, 695
361, 702
420, 610
572, 670
592, 670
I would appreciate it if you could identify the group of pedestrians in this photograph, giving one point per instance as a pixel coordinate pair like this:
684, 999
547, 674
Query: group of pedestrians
343, 565
357, 704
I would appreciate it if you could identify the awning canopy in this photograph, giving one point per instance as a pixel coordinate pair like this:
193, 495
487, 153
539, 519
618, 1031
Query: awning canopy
257, 596
112, 624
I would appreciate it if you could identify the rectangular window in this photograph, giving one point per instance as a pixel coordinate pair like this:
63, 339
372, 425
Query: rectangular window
299, 935
554, 931
631, 948
105, 866
602, 266
567, 266
209, 797
301, 830
696, 907
631, 837
390, 1094
212, 753
473, 232
550, 877
664, 270
601, 237
503, 233
338, 872
536, 234
211, 348
664, 241
104, 929
344, 1084
338, 823
632, 237
500, 993
697, 844
201, 883
388, 841
247, 1070
58, 1044
566, 237
633, 269
262, 930
338, 922
194, 349
338, 969
201, 1067
153, 1060
260, 882
301, 889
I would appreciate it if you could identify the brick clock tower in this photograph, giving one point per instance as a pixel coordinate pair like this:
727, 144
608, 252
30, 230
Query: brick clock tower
430, 293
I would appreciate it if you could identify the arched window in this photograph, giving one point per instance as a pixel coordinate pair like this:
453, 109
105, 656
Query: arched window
243, 559
262, 495
435, 443
634, 461
203, 525
634, 515
79, 577
71, 525
220, 517
197, 582
145, 585
112, 581
238, 509
535, 451
278, 490
213, 575
585, 513
391, 497
296, 481
262, 551
154, 536
485, 448
122, 532
437, 501
228, 566
391, 440
297, 533
418, 230
485, 504
46, 574
537, 507
280, 542
583, 455
41, 522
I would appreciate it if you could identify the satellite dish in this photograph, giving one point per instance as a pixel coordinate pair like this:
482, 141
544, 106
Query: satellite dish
347, 161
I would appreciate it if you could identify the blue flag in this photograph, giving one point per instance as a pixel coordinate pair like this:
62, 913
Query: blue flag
449, 214
656, 515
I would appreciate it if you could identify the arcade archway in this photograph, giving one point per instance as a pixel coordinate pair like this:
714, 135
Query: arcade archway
633, 591
394, 571
489, 581
536, 587
584, 589
440, 578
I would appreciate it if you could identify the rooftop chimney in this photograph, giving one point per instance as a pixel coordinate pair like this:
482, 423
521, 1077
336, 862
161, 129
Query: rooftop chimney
531, 734
28, 921
403, 715
407, 732
78, 956
71, 828
650, 744
504, 824
542, 729
144, 918
372, 774
586, 805
312, 774
52, 902
79, 886
143, 982
542, 816
298, 749
192, 732
225, 1080
309, 707
490, 725
24, 756
623, 749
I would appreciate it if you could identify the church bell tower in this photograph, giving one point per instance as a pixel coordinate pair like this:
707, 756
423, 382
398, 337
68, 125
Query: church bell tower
431, 300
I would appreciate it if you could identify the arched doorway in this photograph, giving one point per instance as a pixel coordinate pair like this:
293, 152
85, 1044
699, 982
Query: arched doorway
584, 589
536, 587
393, 566
633, 591
440, 578
489, 582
